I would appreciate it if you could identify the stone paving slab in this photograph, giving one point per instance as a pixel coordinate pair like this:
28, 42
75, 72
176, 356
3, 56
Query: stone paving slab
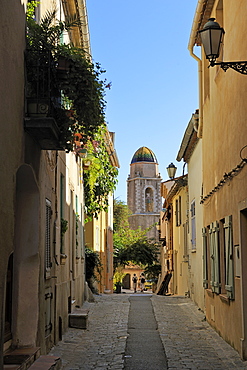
189, 341
101, 346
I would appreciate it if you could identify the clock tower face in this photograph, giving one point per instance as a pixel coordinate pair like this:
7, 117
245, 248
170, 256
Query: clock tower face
143, 196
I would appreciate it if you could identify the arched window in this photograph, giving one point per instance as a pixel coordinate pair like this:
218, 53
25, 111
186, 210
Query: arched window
149, 200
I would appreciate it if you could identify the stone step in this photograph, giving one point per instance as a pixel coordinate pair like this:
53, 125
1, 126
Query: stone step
78, 319
20, 358
47, 363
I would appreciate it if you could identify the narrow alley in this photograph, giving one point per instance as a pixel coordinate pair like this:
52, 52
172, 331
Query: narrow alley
111, 341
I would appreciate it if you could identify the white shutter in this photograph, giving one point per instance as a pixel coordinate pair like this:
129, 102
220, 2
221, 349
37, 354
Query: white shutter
229, 257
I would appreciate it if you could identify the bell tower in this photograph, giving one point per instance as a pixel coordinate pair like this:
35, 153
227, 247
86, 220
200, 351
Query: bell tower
143, 191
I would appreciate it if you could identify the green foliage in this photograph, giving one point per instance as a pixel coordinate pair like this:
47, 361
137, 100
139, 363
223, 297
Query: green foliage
100, 179
142, 252
131, 245
82, 86
93, 265
152, 271
121, 214
64, 226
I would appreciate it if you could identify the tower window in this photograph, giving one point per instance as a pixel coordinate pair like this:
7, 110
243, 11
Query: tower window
149, 200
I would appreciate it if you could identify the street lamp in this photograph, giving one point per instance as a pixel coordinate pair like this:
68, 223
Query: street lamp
171, 170
212, 37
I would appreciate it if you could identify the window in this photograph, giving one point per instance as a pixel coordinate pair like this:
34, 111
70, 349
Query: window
193, 225
149, 201
218, 257
185, 226
229, 272
48, 238
178, 211
48, 300
97, 239
62, 221
214, 257
205, 257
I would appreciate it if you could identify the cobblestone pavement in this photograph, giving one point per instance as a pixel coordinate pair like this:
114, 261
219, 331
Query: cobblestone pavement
189, 341
102, 345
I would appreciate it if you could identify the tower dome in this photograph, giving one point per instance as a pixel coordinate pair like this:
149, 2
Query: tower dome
144, 154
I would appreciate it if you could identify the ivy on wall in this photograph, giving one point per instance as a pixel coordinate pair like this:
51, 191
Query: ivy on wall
100, 179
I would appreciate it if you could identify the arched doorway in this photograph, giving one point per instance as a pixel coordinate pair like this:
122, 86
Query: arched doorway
26, 259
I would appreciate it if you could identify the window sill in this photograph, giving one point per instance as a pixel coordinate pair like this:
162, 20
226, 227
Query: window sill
224, 298
63, 258
210, 293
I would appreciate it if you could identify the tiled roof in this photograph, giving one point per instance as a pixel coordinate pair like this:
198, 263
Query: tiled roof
144, 154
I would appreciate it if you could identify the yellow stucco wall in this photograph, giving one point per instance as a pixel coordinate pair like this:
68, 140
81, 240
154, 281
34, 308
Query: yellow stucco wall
224, 134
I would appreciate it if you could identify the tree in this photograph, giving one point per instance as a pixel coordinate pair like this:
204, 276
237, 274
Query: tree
131, 245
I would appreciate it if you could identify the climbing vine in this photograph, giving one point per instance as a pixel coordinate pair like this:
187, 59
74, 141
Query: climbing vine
100, 179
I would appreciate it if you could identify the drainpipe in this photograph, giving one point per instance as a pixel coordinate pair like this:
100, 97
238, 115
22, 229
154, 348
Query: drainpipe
190, 47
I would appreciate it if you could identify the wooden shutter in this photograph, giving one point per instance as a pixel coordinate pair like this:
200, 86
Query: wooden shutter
48, 238
214, 257
204, 257
229, 257
193, 225
48, 311
211, 246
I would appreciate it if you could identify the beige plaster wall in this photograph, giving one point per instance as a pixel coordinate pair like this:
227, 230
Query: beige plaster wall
195, 256
180, 263
12, 44
224, 134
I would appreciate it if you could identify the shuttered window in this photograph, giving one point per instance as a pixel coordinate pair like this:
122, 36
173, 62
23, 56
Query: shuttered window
214, 257
48, 238
178, 211
193, 225
48, 311
185, 226
229, 271
204, 256
219, 267
62, 195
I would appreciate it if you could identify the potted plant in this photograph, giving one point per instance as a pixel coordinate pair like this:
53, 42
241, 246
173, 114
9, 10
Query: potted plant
118, 287
81, 85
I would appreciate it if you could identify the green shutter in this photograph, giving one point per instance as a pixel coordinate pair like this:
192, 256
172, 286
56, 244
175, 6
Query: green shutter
229, 257
211, 246
204, 257
216, 257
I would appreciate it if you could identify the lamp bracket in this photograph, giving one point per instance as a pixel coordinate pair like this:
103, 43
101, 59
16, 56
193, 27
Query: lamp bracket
240, 67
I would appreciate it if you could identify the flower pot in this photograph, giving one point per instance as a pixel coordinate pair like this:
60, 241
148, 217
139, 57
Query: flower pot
86, 164
118, 288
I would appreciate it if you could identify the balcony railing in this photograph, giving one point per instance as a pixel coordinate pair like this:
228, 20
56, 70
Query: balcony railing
43, 100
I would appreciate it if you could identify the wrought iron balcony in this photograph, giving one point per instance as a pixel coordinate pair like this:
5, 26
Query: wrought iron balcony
43, 100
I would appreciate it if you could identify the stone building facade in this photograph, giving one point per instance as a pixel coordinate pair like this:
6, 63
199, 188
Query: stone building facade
143, 191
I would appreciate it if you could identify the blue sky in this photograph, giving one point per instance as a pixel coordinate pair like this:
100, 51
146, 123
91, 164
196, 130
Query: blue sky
143, 45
